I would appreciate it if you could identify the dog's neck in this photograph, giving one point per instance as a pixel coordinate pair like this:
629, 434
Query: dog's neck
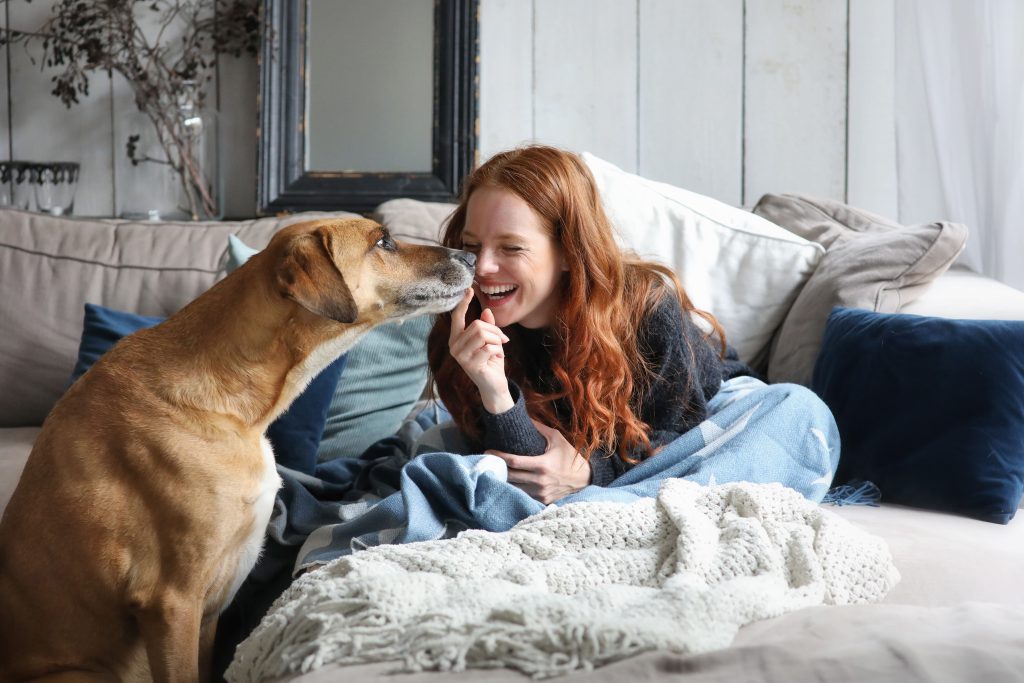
258, 356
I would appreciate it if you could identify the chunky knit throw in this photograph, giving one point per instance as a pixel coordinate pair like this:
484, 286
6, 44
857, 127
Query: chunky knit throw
575, 587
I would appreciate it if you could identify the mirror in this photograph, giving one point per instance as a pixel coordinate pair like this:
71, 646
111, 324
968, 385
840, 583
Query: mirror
364, 101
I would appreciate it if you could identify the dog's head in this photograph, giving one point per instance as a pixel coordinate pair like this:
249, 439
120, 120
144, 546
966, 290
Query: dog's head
351, 270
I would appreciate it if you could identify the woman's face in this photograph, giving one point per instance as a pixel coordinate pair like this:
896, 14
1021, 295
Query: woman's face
518, 265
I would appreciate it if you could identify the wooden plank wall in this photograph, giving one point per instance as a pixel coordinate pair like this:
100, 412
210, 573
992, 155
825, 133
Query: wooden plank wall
5, 93
730, 98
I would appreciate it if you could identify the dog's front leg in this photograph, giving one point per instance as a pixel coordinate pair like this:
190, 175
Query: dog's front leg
207, 635
170, 630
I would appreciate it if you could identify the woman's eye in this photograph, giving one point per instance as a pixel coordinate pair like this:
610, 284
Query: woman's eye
513, 249
470, 247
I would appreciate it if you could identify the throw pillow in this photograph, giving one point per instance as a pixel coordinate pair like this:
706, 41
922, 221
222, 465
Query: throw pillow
385, 375
870, 263
295, 435
929, 409
734, 264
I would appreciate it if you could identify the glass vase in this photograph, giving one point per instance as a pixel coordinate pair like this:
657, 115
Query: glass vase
200, 186
179, 178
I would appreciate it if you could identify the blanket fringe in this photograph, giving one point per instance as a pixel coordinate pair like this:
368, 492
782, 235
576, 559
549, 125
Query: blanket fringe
857, 492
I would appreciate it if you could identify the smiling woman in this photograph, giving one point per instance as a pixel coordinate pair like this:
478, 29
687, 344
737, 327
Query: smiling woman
566, 347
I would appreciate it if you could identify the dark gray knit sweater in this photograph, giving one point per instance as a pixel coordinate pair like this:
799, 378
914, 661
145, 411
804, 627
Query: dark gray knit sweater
675, 401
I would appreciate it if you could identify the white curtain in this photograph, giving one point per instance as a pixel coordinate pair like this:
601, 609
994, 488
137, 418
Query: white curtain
960, 124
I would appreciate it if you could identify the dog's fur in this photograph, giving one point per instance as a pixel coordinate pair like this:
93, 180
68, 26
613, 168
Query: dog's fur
144, 502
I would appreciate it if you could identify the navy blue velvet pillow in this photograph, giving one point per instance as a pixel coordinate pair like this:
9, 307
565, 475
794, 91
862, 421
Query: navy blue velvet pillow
929, 409
295, 435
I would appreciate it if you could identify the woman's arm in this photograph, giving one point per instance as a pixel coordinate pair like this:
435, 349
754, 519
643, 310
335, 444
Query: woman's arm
513, 431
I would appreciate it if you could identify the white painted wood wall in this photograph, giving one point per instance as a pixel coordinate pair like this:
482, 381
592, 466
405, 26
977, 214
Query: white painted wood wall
730, 98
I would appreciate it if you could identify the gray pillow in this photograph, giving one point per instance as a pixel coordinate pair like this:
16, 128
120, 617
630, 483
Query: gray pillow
413, 220
870, 262
385, 374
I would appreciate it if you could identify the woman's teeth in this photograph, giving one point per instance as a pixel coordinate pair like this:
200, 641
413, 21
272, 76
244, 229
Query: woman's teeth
499, 291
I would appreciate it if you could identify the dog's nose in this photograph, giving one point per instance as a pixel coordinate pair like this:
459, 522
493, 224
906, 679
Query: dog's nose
466, 257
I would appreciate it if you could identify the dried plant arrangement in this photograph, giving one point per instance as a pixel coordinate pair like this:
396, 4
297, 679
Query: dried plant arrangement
167, 52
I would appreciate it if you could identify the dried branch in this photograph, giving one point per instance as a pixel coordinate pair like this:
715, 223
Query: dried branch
84, 36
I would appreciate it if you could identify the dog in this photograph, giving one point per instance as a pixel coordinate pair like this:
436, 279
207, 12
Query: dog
144, 502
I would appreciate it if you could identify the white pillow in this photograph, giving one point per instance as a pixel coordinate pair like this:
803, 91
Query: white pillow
742, 268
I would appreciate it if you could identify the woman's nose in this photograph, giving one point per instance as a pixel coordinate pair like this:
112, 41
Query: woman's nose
485, 262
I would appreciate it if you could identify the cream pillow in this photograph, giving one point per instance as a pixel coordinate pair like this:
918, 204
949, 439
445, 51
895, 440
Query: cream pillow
742, 268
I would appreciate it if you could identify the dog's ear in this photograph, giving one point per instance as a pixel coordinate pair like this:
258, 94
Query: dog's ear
308, 275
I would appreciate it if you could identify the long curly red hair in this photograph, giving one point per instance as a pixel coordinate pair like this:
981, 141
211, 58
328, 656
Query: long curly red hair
595, 359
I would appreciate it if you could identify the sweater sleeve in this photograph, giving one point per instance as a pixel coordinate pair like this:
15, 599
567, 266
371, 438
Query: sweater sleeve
512, 431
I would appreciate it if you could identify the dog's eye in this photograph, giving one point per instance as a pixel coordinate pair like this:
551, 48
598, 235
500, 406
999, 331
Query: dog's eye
386, 243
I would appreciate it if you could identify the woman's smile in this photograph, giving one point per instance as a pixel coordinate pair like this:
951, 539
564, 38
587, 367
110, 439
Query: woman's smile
495, 295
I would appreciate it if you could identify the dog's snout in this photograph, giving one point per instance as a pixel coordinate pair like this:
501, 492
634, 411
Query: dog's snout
464, 256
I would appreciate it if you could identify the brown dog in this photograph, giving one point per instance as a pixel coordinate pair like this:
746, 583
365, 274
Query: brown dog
144, 502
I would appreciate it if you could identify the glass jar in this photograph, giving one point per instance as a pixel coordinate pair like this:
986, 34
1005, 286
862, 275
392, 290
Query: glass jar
55, 183
201, 187
180, 179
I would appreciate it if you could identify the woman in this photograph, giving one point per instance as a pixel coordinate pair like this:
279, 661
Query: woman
571, 360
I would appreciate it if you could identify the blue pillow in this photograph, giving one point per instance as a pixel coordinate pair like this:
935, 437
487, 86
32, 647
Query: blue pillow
385, 376
929, 409
295, 435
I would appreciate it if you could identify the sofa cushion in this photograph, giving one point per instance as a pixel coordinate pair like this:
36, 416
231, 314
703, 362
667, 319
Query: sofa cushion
15, 445
962, 293
734, 264
413, 220
294, 435
49, 268
871, 262
929, 409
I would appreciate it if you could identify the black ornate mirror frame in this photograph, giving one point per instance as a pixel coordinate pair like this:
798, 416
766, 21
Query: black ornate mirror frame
286, 185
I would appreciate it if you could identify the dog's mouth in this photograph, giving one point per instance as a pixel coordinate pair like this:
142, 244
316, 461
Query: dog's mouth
439, 292
443, 298
435, 297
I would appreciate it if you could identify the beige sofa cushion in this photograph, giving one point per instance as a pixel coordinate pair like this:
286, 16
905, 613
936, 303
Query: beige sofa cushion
413, 220
50, 267
15, 445
870, 262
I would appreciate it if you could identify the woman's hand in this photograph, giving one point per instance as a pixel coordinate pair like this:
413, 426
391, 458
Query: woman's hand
559, 471
477, 348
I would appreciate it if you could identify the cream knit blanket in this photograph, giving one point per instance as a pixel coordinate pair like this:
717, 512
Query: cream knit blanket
575, 587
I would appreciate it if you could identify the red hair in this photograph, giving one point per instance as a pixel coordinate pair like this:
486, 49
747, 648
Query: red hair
606, 294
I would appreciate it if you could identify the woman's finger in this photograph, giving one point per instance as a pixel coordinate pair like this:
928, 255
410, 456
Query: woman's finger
467, 355
474, 339
479, 358
459, 316
482, 324
525, 463
523, 477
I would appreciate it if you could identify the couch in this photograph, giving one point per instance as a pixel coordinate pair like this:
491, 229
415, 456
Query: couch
957, 614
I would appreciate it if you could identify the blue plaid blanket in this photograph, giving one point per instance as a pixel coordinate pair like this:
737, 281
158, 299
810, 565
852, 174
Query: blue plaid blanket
400, 492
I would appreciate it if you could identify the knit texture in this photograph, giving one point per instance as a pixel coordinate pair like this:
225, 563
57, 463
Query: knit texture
575, 587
